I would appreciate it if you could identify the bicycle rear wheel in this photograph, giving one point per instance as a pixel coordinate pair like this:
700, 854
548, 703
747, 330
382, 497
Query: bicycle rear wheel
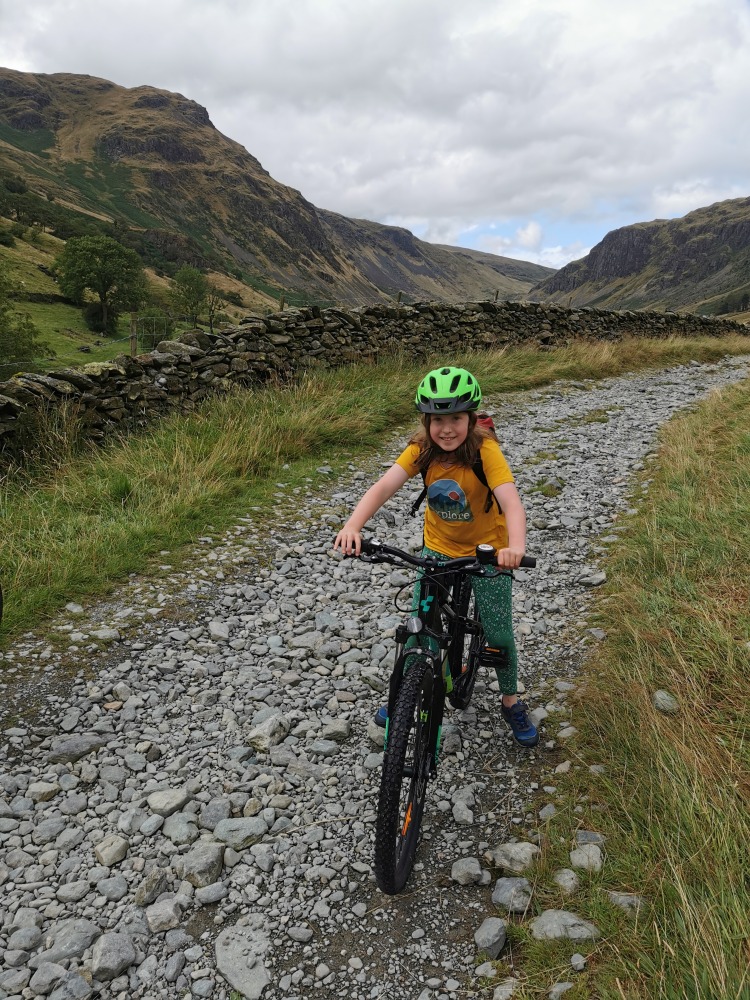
465, 649
403, 782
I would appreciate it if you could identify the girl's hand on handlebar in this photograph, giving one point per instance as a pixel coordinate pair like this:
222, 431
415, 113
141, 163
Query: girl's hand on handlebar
349, 541
510, 558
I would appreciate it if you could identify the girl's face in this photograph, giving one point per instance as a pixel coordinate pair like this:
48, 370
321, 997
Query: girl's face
448, 430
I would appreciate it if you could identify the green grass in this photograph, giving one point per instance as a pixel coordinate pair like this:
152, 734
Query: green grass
676, 788
548, 487
71, 531
32, 142
108, 184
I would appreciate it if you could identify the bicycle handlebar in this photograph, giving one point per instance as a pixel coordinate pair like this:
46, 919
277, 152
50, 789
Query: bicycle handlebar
379, 551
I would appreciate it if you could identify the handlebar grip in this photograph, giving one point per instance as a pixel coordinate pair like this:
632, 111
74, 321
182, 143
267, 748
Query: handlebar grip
528, 562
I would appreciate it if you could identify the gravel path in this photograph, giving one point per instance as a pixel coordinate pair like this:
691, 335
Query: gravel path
190, 770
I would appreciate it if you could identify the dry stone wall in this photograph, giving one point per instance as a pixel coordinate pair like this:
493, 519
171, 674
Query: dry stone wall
130, 391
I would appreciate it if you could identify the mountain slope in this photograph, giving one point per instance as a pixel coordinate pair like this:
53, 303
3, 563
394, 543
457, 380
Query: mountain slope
698, 263
151, 161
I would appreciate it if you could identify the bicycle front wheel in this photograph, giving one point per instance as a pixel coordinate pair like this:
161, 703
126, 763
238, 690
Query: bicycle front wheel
403, 782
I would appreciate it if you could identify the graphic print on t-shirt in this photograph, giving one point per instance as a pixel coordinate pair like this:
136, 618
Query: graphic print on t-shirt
446, 499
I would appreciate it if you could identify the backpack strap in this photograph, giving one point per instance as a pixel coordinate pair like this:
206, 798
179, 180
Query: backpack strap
478, 470
418, 502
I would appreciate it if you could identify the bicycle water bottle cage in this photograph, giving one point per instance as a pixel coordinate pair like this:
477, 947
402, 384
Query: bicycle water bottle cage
497, 659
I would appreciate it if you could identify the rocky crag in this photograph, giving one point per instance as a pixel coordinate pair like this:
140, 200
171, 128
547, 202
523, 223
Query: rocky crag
699, 263
178, 373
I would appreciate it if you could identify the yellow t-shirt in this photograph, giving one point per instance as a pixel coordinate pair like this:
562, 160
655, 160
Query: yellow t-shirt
455, 521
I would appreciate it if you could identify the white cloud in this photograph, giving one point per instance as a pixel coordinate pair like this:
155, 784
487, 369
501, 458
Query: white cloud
459, 115
530, 236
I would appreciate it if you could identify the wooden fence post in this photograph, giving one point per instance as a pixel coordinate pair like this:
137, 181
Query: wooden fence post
133, 334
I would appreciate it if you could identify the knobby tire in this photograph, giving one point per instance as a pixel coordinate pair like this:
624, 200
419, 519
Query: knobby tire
402, 796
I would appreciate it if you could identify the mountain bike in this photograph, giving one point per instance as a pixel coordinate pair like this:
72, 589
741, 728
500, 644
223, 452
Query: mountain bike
439, 650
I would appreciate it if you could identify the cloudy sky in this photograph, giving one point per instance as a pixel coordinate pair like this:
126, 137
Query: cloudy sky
528, 128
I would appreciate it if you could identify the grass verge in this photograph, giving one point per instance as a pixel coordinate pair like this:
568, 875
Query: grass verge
673, 801
72, 531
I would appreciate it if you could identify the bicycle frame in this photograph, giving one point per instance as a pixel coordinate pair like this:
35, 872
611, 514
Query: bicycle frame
425, 628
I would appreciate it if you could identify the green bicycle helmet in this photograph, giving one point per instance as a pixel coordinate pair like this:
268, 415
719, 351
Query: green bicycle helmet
448, 390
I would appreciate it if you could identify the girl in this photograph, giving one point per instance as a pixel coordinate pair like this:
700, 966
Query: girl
458, 516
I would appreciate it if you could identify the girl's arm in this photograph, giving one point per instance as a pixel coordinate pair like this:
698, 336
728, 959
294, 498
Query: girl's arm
349, 539
515, 520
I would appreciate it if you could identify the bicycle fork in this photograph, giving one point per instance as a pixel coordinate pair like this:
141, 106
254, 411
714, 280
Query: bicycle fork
432, 713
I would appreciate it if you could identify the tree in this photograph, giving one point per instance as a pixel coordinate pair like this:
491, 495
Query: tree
189, 292
214, 302
19, 339
103, 266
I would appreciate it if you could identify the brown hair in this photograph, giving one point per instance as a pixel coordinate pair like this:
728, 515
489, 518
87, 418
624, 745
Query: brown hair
466, 454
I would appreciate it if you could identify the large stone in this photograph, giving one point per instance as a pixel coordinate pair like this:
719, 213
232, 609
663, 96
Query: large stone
180, 829
513, 894
25, 916
47, 977
466, 871
153, 884
665, 702
202, 865
214, 812
12, 981
72, 748
72, 987
567, 880
168, 801
490, 937
337, 730
73, 892
269, 732
113, 889
587, 857
68, 939
25, 939
239, 958
112, 850
164, 915
240, 834
48, 830
554, 924
514, 857
112, 955
42, 791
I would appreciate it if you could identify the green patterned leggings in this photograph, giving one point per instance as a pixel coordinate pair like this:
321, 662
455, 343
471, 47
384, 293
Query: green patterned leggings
494, 603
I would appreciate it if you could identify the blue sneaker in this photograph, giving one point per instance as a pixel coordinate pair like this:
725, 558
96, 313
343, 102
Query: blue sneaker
381, 716
524, 730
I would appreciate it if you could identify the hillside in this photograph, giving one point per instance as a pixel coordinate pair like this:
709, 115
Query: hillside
698, 263
151, 163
